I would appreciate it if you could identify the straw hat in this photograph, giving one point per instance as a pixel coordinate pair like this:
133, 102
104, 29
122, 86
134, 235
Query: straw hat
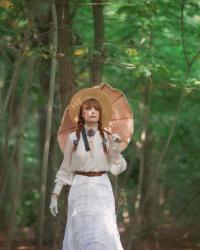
85, 94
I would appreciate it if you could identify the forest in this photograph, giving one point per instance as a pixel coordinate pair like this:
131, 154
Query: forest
149, 50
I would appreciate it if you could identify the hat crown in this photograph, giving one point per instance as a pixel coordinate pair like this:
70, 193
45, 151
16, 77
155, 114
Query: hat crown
88, 93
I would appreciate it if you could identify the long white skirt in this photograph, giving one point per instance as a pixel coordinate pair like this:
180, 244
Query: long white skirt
91, 218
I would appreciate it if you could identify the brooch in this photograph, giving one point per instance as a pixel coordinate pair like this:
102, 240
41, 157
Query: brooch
75, 142
91, 132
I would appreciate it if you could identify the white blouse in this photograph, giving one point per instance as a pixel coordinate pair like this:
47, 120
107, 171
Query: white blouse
93, 160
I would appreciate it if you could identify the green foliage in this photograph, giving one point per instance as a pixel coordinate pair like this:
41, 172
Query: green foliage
143, 47
27, 212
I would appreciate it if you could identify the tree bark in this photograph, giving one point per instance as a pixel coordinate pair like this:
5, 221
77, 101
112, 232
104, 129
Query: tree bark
43, 24
67, 87
48, 130
97, 57
65, 52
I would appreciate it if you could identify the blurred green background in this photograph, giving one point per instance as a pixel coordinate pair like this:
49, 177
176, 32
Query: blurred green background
146, 48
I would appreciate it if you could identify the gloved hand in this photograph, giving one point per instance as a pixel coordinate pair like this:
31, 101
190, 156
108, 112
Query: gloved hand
54, 205
115, 143
116, 160
54, 199
115, 149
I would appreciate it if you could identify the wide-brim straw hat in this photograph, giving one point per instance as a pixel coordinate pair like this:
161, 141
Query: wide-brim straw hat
85, 94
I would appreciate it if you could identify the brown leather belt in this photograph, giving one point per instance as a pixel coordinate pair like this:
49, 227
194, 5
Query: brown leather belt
90, 174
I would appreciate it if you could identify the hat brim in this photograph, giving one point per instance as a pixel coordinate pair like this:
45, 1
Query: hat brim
85, 94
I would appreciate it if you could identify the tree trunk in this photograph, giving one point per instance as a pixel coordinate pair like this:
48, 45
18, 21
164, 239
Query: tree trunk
48, 130
97, 57
142, 203
16, 73
65, 52
12, 118
67, 88
43, 22
19, 160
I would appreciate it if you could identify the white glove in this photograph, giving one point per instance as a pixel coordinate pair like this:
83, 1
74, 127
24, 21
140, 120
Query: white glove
54, 199
54, 205
115, 144
117, 162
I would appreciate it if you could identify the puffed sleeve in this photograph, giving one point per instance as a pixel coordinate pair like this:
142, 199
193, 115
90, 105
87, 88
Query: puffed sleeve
117, 163
65, 174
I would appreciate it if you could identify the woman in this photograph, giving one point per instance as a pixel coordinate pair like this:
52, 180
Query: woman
89, 153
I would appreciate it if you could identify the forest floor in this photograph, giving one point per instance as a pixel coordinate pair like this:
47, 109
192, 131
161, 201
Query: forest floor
167, 237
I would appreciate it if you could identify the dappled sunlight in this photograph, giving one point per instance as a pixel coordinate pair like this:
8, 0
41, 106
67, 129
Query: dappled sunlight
25, 248
126, 217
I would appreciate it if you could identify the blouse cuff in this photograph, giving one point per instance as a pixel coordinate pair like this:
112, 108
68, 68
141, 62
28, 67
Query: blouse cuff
64, 179
118, 165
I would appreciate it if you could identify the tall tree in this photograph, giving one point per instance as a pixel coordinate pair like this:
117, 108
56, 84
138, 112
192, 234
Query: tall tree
48, 128
18, 172
65, 50
97, 56
67, 86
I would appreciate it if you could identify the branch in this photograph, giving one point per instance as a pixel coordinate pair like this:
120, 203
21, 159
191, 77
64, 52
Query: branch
16, 73
189, 203
194, 58
182, 35
163, 153
74, 11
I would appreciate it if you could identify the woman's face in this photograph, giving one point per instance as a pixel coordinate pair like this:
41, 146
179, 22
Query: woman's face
90, 114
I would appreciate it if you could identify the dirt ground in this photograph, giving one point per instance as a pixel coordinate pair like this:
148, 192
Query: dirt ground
166, 237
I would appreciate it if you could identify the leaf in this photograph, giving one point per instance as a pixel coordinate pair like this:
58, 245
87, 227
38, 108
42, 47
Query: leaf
80, 52
131, 52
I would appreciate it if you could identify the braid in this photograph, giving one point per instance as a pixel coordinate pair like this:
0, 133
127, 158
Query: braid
80, 125
103, 137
